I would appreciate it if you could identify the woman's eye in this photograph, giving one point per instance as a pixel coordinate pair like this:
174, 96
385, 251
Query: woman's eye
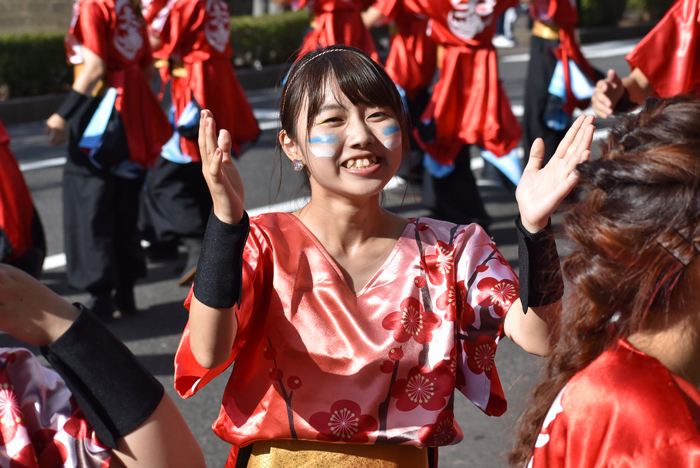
331, 120
379, 115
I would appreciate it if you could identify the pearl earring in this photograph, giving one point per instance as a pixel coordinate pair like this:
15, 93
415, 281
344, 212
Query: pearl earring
298, 165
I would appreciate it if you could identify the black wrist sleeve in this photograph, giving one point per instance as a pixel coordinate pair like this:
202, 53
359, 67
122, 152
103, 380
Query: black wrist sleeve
219, 276
70, 106
116, 393
625, 104
541, 280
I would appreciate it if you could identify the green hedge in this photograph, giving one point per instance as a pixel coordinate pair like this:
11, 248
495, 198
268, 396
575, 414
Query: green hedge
601, 12
655, 8
32, 64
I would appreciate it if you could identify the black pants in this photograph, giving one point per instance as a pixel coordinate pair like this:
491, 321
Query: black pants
100, 215
456, 198
177, 200
539, 74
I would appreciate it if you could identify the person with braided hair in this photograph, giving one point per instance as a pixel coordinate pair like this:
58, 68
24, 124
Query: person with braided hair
622, 381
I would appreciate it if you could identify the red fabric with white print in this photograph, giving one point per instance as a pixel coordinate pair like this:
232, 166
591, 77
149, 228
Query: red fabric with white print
468, 104
316, 361
39, 425
198, 33
625, 410
112, 30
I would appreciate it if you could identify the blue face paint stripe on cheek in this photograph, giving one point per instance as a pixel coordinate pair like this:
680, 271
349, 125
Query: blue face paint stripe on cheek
325, 138
391, 129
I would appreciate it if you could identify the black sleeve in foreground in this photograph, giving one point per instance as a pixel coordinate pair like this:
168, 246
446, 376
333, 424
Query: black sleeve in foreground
116, 393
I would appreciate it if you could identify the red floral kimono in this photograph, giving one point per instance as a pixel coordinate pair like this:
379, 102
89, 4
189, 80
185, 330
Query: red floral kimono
412, 59
198, 33
316, 361
16, 207
39, 425
624, 410
469, 104
669, 55
338, 22
111, 29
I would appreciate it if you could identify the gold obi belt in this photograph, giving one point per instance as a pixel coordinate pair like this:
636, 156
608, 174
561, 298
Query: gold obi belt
549, 32
305, 454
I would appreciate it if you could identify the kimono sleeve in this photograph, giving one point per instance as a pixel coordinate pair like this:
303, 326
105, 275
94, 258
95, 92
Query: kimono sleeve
487, 286
92, 28
389, 8
257, 258
176, 25
669, 55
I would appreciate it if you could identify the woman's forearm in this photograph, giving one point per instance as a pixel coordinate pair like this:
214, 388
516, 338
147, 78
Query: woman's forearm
94, 70
212, 332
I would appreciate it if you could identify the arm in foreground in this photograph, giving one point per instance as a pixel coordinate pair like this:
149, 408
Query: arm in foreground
31, 312
539, 194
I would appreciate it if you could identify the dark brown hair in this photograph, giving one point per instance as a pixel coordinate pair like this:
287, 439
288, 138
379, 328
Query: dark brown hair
634, 223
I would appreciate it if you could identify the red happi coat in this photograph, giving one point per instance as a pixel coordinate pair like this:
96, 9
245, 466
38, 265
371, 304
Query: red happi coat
198, 33
338, 22
624, 410
412, 59
669, 55
469, 104
112, 30
16, 207
310, 352
563, 14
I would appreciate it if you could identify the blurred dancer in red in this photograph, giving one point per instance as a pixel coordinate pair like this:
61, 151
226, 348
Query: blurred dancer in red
335, 22
547, 116
412, 62
22, 241
195, 36
468, 105
101, 198
665, 63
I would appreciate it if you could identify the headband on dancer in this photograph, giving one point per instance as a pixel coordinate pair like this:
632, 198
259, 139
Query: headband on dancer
304, 64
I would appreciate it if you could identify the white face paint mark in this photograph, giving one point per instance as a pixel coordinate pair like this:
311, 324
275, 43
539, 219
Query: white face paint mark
324, 146
394, 134
323, 151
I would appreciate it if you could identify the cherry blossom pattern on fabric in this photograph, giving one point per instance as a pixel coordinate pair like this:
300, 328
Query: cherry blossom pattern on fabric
39, 424
497, 293
412, 322
440, 264
443, 432
481, 354
424, 387
344, 423
452, 301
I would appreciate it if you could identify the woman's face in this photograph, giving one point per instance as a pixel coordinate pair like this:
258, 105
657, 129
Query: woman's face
350, 150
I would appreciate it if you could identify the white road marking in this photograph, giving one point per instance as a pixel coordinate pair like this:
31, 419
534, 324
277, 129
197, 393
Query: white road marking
53, 162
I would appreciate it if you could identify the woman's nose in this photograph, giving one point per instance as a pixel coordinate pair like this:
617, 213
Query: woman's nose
360, 133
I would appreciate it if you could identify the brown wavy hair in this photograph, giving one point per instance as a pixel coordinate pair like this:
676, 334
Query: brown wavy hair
634, 222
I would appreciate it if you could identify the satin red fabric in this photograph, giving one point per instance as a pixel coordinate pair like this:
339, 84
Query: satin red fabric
111, 29
624, 410
562, 13
338, 22
16, 207
198, 33
469, 105
669, 55
412, 59
316, 361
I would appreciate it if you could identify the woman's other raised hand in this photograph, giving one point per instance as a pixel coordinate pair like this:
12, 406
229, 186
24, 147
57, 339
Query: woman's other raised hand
223, 179
542, 189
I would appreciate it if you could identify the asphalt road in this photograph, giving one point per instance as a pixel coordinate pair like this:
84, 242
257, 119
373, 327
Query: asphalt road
153, 335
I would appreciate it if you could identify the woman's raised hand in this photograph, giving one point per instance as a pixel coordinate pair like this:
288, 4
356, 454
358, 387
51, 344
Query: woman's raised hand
541, 190
223, 179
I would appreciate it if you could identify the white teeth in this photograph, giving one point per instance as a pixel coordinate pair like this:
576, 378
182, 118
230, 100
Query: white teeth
361, 163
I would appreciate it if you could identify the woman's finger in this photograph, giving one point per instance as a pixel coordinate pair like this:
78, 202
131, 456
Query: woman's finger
215, 165
569, 137
201, 137
224, 143
579, 144
534, 162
